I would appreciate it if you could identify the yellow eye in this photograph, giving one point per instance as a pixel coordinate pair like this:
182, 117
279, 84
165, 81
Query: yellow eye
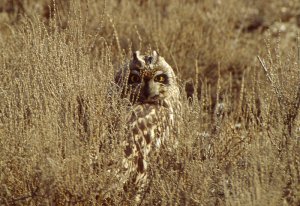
134, 78
160, 78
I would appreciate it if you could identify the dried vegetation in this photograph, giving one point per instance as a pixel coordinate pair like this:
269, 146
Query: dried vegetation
60, 134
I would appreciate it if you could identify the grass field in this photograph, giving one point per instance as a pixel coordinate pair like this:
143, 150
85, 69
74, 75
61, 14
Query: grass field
238, 64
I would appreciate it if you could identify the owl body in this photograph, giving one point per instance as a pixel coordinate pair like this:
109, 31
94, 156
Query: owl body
150, 84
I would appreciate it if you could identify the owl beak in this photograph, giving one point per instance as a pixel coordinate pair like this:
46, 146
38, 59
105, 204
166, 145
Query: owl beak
148, 95
146, 90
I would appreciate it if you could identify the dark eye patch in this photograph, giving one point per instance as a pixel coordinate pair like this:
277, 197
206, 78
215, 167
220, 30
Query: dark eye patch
162, 78
134, 78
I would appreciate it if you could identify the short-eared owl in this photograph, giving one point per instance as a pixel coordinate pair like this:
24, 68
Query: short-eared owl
150, 84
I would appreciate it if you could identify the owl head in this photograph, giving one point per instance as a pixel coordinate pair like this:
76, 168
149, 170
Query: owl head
148, 79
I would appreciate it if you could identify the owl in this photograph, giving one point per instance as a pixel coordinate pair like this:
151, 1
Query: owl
149, 83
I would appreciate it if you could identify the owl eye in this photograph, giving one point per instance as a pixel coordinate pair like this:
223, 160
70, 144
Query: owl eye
134, 78
161, 78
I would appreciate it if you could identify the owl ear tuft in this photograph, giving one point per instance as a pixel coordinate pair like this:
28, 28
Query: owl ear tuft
155, 56
136, 55
138, 59
155, 53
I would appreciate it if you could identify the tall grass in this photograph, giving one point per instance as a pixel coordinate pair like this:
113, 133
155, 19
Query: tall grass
61, 134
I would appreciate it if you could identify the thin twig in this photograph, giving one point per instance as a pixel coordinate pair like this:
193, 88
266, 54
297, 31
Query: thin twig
273, 84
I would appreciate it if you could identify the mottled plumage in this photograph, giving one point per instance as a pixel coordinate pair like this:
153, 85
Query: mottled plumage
150, 84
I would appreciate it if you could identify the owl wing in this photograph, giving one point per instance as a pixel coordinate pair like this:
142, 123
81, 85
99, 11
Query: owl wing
149, 128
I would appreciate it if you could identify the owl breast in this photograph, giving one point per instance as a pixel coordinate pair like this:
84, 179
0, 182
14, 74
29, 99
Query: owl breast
150, 85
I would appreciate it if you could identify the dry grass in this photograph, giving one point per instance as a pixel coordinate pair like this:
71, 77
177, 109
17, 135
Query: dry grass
239, 140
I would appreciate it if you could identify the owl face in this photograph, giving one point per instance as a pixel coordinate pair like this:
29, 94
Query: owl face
150, 79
